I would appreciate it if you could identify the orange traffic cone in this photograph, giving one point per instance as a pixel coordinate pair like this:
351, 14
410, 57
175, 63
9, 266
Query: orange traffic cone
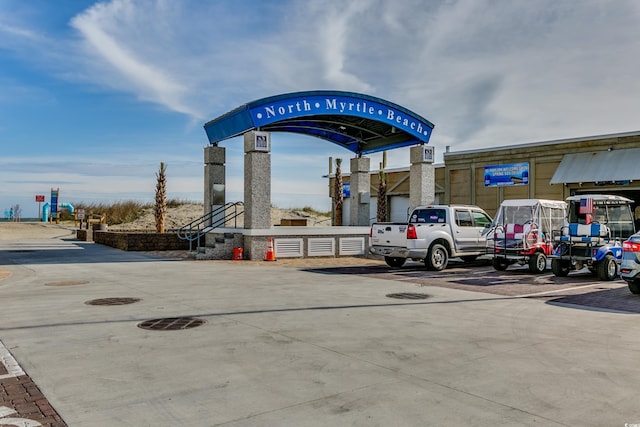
270, 255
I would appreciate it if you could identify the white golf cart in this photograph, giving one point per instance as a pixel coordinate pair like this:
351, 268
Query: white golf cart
521, 232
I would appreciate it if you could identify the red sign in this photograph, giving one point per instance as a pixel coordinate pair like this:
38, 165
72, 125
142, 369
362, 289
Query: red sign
39, 198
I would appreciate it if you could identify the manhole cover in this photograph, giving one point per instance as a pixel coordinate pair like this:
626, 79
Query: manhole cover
408, 295
67, 283
112, 301
171, 323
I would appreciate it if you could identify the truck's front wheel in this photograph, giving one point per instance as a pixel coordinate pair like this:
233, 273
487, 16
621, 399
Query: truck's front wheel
394, 262
437, 258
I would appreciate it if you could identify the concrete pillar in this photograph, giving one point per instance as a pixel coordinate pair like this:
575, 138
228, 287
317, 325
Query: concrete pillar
422, 179
360, 187
257, 180
214, 180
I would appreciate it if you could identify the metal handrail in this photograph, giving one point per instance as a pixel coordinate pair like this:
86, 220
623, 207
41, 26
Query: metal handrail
198, 228
321, 220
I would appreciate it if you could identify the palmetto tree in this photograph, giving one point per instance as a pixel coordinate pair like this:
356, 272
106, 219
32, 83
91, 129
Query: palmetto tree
160, 208
338, 198
382, 197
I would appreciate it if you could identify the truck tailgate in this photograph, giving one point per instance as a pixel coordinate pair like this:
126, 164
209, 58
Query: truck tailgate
389, 234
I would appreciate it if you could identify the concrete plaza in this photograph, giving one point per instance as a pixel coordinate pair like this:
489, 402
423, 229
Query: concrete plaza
288, 346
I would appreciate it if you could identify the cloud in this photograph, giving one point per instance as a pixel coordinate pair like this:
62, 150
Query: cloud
98, 26
333, 31
476, 68
17, 32
199, 69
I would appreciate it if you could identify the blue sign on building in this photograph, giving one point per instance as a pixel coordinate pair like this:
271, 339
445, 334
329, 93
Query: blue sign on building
506, 175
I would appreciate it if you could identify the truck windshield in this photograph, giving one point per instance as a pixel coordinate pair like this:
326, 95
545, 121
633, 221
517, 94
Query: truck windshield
428, 216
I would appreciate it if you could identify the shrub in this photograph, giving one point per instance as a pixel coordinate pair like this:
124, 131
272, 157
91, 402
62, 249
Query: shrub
116, 213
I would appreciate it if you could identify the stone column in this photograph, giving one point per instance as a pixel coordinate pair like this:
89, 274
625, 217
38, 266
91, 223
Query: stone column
360, 187
214, 180
257, 180
422, 180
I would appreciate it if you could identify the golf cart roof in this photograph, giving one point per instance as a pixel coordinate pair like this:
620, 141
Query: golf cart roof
600, 197
534, 202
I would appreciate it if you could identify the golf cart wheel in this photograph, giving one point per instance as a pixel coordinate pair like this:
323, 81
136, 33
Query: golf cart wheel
560, 268
634, 287
394, 262
607, 268
437, 258
500, 264
537, 263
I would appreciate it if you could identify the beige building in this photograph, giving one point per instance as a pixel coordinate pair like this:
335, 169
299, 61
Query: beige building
546, 170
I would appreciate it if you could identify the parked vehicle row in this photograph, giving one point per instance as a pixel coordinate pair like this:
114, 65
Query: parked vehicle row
595, 231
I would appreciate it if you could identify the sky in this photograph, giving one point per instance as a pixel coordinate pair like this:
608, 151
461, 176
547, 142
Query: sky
95, 94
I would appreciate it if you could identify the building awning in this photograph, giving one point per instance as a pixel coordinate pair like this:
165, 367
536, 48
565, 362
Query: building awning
598, 166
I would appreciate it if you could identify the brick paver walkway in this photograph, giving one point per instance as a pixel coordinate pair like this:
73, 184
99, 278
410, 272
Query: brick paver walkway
21, 401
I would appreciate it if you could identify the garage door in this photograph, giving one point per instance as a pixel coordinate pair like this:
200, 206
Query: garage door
399, 208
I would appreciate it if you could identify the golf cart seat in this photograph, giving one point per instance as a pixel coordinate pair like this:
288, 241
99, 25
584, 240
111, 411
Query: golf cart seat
512, 231
584, 233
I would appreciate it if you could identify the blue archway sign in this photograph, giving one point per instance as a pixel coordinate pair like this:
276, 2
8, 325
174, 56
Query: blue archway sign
360, 123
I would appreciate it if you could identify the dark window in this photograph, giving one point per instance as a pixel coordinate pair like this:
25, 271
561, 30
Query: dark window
480, 219
463, 218
428, 216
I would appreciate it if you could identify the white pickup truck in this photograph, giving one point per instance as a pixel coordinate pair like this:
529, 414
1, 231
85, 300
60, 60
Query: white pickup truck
433, 235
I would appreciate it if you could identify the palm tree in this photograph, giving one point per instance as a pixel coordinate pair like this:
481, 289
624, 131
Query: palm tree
160, 208
382, 197
338, 198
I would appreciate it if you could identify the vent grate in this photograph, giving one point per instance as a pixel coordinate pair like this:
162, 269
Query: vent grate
408, 295
288, 248
112, 301
322, 246
67, 283
352, 246
171, 323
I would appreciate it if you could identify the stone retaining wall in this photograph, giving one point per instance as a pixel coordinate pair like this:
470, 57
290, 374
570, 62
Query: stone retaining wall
140, 241
84, 235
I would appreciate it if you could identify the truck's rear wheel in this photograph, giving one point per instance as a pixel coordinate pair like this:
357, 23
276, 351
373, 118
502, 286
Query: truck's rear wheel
607, 268
394, 262
560, 268
537, 263
437, 257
